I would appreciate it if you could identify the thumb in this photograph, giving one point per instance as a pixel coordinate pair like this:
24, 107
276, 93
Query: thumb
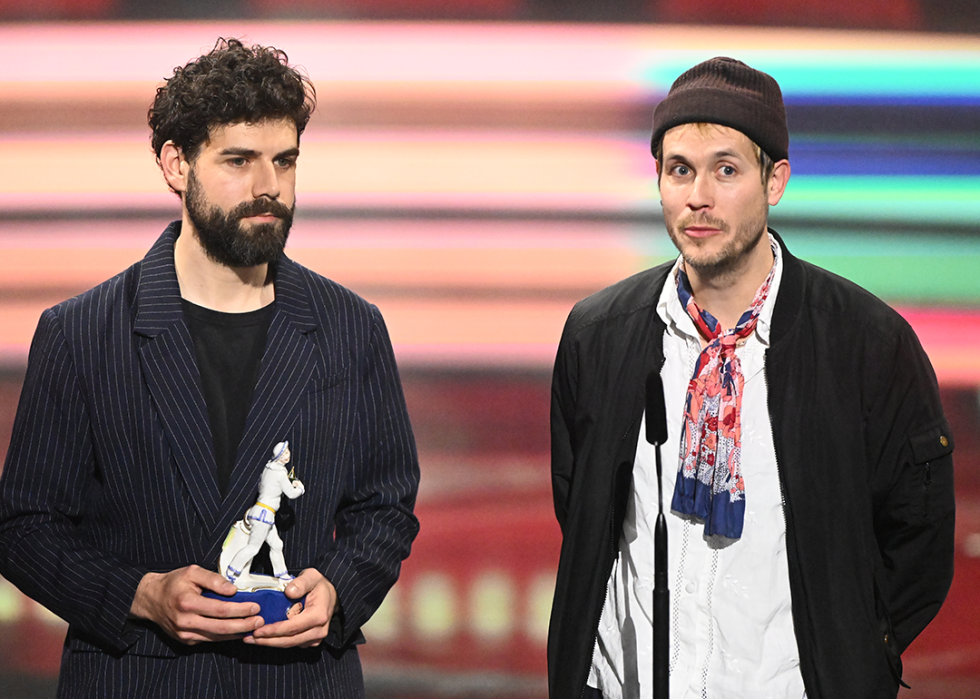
303, 584
209, 580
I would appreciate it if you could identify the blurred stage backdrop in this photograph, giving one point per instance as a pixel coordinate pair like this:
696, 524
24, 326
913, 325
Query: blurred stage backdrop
474, 179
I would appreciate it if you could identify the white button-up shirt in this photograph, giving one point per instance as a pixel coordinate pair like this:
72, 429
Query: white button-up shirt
731, 627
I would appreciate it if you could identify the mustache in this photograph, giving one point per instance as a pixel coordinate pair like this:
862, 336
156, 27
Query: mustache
702, 219
258, 207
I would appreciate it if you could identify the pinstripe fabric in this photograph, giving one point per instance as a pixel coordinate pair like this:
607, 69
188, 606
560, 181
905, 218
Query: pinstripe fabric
208, 674
110, 474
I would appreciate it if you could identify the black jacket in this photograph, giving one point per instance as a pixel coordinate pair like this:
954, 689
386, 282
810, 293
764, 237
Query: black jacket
865, 466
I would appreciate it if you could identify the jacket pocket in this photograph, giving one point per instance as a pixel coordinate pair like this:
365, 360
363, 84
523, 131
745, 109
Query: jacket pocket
930, 488
152, 642
319, 384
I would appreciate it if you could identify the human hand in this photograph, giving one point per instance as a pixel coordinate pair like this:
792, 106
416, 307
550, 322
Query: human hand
174, 602
311, 625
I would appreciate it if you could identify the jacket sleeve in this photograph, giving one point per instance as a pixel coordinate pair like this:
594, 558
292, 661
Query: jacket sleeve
563, 391
914, 506
375, 524
48, 480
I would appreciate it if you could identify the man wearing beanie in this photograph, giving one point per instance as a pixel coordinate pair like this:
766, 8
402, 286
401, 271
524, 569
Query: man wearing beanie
808, 465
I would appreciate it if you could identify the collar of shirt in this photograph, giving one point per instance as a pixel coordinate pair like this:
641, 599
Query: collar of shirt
679, 322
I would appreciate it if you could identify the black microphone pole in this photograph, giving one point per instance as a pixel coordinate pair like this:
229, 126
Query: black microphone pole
656, 416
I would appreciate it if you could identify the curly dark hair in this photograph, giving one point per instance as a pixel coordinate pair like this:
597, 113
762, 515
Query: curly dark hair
232, 84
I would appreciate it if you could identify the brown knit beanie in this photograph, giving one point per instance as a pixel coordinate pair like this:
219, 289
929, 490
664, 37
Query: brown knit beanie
727, 92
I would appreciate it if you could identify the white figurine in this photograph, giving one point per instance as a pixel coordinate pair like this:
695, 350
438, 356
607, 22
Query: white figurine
259, 526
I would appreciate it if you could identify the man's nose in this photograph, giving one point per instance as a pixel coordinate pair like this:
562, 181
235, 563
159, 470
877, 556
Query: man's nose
265, 182
701, 195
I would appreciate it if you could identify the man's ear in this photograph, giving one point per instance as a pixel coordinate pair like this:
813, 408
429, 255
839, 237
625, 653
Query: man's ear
175, 167
777, 182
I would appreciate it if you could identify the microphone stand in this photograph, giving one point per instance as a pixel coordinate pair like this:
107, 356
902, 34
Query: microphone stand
661, 597
656, 415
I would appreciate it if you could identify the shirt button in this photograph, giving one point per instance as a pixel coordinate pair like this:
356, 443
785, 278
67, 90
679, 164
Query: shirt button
690, 587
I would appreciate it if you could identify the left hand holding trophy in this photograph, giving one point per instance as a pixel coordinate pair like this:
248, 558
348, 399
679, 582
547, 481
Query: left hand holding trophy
258, 527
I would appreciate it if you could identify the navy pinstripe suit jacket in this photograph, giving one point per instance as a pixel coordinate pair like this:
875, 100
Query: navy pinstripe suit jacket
110, 474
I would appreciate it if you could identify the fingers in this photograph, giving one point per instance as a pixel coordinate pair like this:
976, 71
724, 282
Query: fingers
174, 602
311, 625
221, 609
292, 633
213, 619
224, 622
209, 580
295, 632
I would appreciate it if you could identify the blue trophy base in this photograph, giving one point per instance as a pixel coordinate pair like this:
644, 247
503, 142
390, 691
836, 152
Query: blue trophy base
273, 604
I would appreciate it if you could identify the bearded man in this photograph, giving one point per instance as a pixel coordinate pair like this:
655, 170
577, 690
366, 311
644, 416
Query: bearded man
810, 533
151, 402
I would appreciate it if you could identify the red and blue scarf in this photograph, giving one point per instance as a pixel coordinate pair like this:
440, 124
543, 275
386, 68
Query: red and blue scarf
709, 486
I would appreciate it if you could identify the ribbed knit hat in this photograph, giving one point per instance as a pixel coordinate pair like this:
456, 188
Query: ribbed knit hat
727, 92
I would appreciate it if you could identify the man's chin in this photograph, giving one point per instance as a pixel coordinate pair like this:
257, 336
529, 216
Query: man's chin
272, 233
706, 255
255, 247
704, 252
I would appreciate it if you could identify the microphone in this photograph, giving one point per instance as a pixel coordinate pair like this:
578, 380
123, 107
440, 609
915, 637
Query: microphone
656, 410
656, 419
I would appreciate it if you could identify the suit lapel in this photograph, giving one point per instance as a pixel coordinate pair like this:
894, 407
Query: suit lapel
169, 365
288, 365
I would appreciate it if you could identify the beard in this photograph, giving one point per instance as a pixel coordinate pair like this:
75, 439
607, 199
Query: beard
730, 257
223, 236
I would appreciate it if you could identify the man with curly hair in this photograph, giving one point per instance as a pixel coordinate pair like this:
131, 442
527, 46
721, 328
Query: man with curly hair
150, 405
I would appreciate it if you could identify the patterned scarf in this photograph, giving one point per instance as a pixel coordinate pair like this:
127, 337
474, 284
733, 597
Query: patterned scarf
711, 438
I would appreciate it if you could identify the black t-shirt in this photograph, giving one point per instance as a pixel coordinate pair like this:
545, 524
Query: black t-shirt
229, 349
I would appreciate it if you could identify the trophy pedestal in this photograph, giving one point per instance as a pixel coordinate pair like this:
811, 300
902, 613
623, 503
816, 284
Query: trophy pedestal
267, 592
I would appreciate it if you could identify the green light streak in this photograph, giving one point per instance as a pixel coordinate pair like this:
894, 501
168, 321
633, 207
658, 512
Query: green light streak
839, 73
931, 200
921, 269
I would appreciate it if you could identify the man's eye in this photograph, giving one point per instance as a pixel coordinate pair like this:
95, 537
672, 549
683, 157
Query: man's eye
237, 162
727, 170
681, 170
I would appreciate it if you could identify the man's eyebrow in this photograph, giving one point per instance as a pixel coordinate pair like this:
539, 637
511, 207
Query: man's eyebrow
244, 152
728, 153
717, 155
251, 153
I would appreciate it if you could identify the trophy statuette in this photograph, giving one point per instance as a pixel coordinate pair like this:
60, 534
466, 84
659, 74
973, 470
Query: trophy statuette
257, 527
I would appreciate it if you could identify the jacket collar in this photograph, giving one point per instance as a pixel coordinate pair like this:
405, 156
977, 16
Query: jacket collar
789, 301
158, 301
